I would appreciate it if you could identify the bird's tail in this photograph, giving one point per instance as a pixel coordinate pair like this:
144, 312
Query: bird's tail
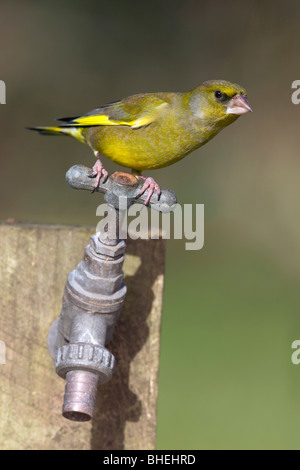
60, 130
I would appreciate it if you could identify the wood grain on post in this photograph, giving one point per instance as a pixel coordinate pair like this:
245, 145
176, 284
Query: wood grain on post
34, 264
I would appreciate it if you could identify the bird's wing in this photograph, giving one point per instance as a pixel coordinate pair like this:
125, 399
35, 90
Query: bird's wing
135, 111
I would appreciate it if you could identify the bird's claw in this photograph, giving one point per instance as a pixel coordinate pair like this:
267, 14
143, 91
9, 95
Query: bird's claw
150, 185
98, 171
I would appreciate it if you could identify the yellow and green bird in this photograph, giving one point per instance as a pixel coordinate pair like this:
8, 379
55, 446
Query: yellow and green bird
153, 130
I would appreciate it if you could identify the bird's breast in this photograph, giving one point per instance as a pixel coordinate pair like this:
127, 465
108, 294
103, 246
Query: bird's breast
145, 148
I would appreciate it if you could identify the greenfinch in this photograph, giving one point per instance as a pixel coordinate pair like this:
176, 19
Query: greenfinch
154, 130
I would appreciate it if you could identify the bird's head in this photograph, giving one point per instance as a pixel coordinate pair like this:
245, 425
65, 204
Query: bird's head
219, 102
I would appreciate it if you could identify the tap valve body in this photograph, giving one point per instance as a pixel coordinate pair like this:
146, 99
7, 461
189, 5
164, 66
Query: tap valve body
92, 301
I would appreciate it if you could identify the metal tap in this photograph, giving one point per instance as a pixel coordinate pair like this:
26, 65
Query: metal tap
94, 295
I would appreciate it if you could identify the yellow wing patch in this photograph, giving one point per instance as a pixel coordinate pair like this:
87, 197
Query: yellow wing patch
105, 120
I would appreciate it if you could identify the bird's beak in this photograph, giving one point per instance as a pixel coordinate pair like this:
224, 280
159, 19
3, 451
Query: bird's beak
238, 105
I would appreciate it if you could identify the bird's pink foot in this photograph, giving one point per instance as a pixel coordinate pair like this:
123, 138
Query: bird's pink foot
150, 185
99, 171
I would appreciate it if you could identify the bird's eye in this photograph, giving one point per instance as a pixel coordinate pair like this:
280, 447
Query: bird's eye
219, 95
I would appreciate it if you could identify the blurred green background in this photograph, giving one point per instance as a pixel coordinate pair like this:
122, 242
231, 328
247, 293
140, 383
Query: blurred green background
232, 309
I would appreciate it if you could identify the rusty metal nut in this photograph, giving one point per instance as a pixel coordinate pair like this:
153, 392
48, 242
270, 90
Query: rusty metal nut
109, 250
104, 269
